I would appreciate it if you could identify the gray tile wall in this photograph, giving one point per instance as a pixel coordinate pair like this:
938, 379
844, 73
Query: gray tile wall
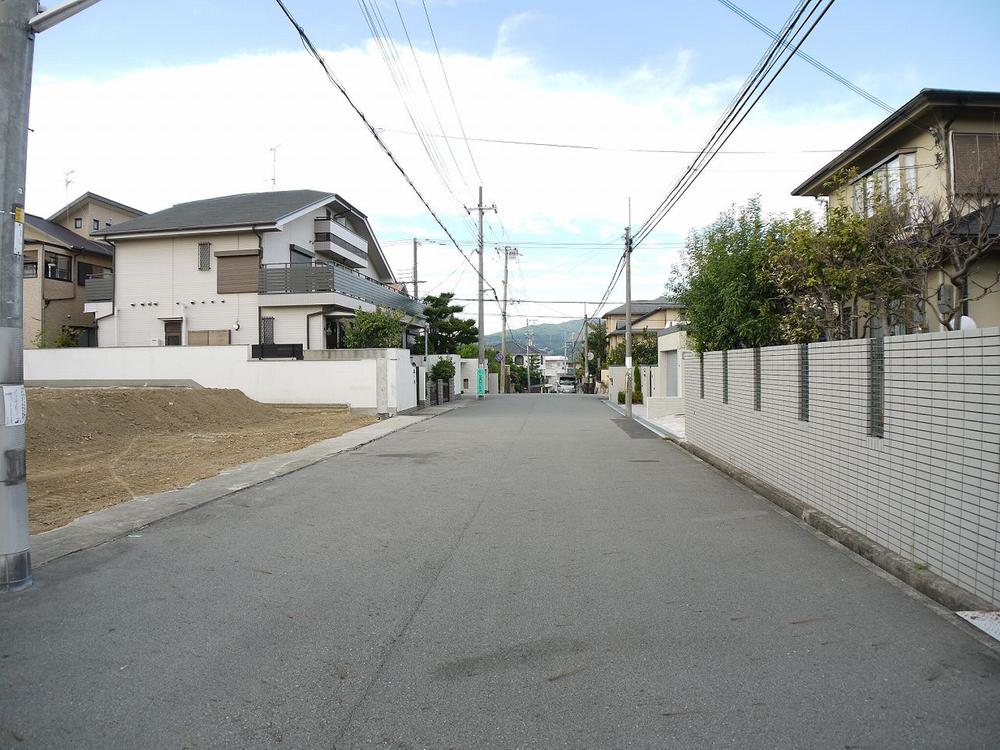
927, 490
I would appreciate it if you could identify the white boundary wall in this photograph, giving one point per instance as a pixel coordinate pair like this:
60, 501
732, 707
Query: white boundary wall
927, 490
321, 381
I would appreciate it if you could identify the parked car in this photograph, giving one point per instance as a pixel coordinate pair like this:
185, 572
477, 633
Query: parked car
567, 384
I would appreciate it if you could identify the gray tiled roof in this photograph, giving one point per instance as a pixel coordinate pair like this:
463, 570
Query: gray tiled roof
67, 237
227, 211
642, 307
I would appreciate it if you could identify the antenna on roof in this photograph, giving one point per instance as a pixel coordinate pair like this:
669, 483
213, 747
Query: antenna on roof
274, 166
67, 181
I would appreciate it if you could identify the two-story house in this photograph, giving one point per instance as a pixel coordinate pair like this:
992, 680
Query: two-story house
58, 258
940, 148
648, 316
283, 267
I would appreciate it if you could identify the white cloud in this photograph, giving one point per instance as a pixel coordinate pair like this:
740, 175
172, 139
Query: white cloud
159, 136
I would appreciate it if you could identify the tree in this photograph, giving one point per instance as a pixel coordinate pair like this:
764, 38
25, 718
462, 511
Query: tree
597, 344
443, 369
469, 351
636, 385
447, 332
644, 351
726, 286
374, 330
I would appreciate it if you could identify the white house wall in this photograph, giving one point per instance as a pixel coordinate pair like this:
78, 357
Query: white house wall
320, 381
302, 232
159, 278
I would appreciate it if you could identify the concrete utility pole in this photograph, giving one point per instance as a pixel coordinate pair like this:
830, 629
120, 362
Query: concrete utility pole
508, 253
628, 322
482, 340
527, 352
16, 51
586, 368
19, 21
415, 277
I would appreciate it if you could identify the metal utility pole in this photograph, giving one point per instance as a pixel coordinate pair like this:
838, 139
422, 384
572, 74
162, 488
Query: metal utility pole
482, 340
508, 253
628, 322
19, 21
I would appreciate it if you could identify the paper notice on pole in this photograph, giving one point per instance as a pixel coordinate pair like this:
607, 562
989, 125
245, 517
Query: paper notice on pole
628, 362
15, 405
18, 230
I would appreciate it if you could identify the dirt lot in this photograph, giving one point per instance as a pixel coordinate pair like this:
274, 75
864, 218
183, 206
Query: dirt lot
90, 448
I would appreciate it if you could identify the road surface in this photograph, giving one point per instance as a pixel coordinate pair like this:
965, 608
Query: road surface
529, 571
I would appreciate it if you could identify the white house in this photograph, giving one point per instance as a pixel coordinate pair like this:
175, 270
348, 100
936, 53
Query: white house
282, 267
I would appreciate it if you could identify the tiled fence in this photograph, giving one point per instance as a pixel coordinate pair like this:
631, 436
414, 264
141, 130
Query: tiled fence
898, 438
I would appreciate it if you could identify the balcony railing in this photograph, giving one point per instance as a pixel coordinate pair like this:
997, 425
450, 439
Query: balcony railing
308, 278
99, 288
295, 278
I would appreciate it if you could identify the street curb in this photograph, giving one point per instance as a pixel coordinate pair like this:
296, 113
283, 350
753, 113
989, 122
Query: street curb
109, 524
656, 429
935, 587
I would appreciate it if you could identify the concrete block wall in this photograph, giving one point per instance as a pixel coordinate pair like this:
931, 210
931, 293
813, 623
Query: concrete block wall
928, 489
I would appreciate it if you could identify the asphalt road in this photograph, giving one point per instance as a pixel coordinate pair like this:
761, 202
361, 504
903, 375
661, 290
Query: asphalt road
527, 572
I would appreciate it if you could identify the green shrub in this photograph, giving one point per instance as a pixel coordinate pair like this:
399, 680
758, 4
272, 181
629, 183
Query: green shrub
443, 369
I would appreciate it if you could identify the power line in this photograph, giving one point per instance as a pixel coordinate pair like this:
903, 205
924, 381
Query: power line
756, 85
311, 49
810, 59
451, 94
592, 147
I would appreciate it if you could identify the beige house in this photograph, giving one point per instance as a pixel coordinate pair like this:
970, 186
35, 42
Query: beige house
648, 316
284, 267
58, 259
938, 147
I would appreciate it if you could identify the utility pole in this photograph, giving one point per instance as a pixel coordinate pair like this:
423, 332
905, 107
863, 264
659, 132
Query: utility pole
19, 21
482, 341
508, 253
628, 321
415, 277
17, 43
586, 365
527, 354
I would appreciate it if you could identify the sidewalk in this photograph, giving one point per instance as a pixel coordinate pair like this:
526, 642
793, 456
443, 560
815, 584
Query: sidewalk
671, 428
128, 517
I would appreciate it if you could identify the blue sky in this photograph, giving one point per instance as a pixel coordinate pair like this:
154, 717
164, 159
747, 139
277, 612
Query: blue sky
204, 79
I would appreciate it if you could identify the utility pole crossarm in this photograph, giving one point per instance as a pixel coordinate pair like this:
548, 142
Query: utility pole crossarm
48, 19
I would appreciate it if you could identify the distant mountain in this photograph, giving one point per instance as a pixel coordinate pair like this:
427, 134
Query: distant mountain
550, 336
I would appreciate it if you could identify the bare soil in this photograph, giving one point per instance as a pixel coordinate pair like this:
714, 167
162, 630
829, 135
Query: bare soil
91, 448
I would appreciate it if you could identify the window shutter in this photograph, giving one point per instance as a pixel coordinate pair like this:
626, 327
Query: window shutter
204, 256
977, 162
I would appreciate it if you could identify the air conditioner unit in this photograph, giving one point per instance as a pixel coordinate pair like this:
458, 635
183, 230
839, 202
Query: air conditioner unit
156, 342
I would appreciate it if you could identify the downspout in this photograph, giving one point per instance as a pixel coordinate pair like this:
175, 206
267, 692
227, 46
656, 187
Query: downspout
309, 316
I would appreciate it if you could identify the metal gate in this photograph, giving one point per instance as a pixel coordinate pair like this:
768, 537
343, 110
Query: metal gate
267, 330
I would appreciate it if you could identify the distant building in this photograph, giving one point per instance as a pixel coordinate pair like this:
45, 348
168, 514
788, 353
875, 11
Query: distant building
59, 257
282, 267
648, 316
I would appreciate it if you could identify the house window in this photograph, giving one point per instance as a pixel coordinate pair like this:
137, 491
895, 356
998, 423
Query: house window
30, 269
86, 270
97, 225
58, 267
204, 256
977, 163
889, 182
78, 223
172, 332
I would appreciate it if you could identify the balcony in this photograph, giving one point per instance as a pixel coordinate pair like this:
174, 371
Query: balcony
337, 241
318, 277
99, 288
